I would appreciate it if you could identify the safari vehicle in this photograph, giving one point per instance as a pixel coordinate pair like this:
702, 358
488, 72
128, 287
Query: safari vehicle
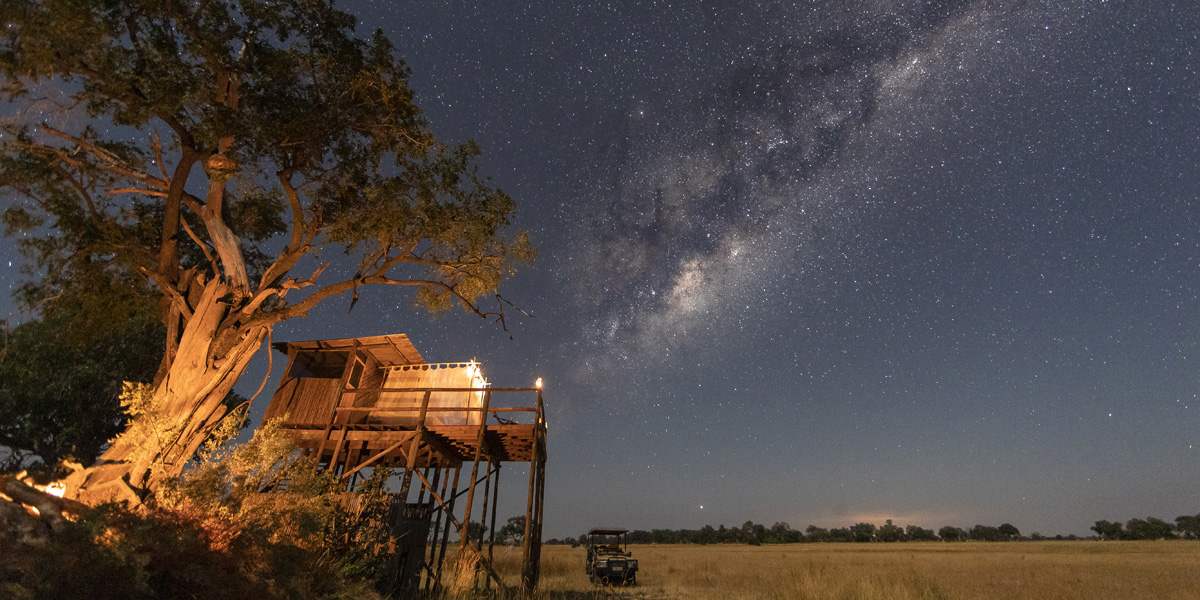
610, 563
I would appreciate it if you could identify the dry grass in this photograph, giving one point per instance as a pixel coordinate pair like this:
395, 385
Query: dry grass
926, 571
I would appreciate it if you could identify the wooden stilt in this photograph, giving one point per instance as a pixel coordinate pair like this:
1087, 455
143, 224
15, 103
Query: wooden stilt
479, 451
446, 532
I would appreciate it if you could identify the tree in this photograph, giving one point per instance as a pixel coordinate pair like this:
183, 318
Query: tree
816, 534
1009, 532
890, 533
782, 533
863, 532
513, 531
841, 534
1107, 530
226, 144
950, 533
985, 533
1149, 529
475, 531
1188, 526
919, 534
60, 382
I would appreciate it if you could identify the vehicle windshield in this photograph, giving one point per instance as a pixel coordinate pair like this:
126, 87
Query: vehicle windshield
607, 545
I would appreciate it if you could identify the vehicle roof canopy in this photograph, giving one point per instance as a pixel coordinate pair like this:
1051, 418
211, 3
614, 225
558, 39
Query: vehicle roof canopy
607, 531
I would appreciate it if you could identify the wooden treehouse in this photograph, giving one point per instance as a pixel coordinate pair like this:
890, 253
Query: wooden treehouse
373, 402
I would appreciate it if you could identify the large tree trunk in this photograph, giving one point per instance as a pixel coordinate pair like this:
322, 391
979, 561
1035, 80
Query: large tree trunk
184, 408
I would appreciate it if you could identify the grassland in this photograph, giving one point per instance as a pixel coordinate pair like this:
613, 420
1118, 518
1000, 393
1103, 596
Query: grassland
926, 571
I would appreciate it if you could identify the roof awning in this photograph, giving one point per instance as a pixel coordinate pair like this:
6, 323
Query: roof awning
607, 531
387, 349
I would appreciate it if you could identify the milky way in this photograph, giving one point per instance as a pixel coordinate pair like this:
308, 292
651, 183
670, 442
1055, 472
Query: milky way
703, 203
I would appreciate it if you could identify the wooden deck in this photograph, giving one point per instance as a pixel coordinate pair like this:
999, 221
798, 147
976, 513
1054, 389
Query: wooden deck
453, 443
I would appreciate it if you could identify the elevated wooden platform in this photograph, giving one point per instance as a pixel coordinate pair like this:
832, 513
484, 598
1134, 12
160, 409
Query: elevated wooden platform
370, 403
444, 445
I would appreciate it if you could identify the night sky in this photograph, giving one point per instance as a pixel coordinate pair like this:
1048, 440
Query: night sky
831, 262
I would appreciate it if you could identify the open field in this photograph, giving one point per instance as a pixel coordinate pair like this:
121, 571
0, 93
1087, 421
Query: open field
926, 570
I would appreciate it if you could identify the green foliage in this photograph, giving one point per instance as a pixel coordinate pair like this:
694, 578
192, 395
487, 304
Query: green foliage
890, 533
984, 533
214, 535
61, 376
323, 140
1009, 532
863, 532
1150, 528
512, 532
1188, 526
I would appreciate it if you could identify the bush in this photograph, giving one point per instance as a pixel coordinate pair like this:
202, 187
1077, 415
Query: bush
213, 534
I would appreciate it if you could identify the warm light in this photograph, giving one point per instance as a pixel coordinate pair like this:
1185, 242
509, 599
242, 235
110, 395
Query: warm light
538, 383
57, 488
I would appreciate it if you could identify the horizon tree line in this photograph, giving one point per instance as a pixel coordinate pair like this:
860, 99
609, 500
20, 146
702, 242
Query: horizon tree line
755, 534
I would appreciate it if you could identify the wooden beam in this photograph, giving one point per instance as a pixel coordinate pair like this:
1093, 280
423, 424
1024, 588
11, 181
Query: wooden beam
463, 537
492, 536
412, 450
378, 456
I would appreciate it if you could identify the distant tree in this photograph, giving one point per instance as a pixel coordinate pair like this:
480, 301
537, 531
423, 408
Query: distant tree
782, 533
475, 531
1008, 532
950, 533
863, 532
919, 534
816, 534
512, 532
890, 533
985, 533
1188, 526
758, 534
1107, 530
664, 536
1149, 529
639, 536
841, 534
722, 534
708, 535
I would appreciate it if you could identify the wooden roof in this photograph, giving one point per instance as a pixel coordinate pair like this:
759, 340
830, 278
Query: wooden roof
389, 350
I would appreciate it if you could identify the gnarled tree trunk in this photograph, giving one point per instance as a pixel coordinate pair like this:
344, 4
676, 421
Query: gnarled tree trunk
184, 407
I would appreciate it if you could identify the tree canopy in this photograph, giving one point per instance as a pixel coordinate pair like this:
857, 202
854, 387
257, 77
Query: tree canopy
212, 150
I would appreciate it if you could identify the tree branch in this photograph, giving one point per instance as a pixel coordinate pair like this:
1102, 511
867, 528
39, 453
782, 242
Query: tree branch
113, 163
169, 289
203, 247
157, 193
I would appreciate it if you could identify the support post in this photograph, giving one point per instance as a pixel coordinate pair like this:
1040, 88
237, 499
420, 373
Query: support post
446, 532
479, 442
487, 488
413, 449
437, 526
532, 548
492, 530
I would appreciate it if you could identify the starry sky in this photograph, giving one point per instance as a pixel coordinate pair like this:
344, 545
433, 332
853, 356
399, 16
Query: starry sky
827, 262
